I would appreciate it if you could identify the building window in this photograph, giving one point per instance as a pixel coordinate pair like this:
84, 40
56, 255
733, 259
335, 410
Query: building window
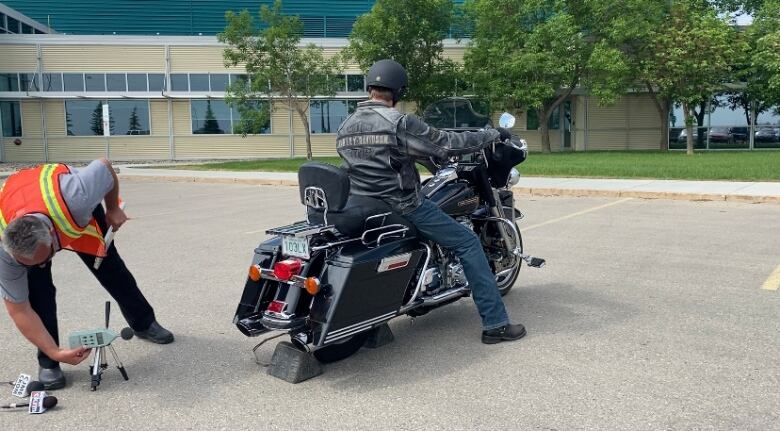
327, 115
9, 82
210, 117
126, 117
219, 81
129, 117
13, 25
532, 119
356, 83
116, 82
28, 82
199, 82
95, 81
11, 119
179, 82
216, 117
251, 124
73, 81
26, 29
156, 82
52, 82
136, 82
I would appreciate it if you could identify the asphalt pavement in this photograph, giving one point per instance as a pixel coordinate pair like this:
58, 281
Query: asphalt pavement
650, 315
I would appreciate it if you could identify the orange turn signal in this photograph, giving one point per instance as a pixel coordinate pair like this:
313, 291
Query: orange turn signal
254, 273
312, 285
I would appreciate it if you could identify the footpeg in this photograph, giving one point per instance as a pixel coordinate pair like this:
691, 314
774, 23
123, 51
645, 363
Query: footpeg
536, 262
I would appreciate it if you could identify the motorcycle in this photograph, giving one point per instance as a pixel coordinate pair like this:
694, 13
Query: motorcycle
352, 264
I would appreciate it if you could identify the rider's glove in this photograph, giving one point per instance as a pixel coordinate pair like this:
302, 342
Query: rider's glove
504, 134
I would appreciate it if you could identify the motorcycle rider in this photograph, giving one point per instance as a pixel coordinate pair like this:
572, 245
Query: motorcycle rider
379, 146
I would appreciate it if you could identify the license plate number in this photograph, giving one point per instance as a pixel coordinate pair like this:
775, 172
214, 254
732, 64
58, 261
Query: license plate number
296, 247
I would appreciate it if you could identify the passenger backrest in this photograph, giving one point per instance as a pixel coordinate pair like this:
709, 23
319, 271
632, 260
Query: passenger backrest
323, 186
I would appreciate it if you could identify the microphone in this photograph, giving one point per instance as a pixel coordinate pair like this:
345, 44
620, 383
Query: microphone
24, 385
49, 401
127, 333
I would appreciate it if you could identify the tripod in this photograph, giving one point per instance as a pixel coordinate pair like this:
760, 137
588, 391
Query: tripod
100, 362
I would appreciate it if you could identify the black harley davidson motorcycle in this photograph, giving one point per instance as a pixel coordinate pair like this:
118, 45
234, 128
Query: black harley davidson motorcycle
353, 265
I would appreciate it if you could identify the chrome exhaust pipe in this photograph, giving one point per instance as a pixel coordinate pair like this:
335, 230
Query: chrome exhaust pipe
301, 341
251, 326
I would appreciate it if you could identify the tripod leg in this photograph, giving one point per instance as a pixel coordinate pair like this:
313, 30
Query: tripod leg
96, 368
119, 364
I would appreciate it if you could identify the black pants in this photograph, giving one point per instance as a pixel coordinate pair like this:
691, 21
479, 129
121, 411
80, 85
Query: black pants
113, 275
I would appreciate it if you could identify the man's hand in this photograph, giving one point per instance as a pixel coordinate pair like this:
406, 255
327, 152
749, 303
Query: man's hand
116, 217
71, 356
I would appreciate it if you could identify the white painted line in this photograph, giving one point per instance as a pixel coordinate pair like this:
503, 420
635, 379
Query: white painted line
578, 213
773, 282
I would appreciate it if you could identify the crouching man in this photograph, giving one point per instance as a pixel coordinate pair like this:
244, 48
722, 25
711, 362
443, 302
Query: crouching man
42, 211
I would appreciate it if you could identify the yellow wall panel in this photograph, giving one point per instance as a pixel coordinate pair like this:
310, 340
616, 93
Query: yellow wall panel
18, 58
103, 58
76, 148
323, 145
280, 118
31, 119
158, 115
199, 59
55, 118
30, 150
231, 146
182, 125
139, 148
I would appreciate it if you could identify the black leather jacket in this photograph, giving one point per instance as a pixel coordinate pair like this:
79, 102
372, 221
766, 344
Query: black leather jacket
379, 146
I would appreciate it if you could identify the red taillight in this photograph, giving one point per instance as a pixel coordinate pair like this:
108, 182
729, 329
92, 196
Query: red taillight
285, 269
276, 306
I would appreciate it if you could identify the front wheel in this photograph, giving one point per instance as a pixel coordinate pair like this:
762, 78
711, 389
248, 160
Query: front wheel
506, 281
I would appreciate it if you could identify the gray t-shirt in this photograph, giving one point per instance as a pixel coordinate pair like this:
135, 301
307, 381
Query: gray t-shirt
83, 190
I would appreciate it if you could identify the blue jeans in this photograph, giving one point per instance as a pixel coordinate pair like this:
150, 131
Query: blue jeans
435, 225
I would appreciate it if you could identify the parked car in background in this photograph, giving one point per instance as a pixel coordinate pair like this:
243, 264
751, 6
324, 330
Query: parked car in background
683, 137
729, 135
767, 134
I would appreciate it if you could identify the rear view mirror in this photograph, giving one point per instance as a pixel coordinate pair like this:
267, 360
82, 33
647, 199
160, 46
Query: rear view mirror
506, 120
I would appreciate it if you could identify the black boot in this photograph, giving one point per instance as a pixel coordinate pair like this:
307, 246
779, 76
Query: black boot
52, 378
505, 333
156, 334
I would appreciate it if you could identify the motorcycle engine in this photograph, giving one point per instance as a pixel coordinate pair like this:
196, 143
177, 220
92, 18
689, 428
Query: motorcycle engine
466, 221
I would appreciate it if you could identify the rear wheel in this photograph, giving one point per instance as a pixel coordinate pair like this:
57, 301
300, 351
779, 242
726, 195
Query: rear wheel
342, 349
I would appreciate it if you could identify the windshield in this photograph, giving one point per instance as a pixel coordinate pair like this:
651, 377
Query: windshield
455, 113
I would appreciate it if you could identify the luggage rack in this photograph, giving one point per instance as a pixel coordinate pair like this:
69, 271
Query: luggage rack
301, 229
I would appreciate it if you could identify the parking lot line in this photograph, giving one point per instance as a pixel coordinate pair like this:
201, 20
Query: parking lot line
578, 213
773, 282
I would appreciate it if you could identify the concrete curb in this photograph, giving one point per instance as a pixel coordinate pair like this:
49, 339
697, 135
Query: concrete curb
520, 191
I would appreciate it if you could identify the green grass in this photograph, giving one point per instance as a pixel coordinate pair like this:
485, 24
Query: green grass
715, 165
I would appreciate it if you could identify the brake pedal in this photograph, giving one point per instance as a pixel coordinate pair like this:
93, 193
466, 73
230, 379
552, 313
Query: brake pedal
537, 262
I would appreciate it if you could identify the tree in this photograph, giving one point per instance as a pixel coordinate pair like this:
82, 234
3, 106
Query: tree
691, 59
210, 123
276, 65
135, 123
534, 53
763, 80
410, 32
96, 120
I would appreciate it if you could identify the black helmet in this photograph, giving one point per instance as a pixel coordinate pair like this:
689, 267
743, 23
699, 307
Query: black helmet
388, 74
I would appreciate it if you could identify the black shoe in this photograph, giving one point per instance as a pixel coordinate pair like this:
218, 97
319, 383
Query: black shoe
52, 378
505, 333
156, 334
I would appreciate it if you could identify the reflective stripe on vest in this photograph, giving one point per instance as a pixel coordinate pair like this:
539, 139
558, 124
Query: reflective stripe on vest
72, 236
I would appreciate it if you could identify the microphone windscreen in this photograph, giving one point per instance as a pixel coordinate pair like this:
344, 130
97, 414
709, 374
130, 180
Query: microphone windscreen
49, 402
127, 333
35, 386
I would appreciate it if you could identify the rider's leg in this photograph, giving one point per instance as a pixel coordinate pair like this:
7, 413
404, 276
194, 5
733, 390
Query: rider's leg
437, 226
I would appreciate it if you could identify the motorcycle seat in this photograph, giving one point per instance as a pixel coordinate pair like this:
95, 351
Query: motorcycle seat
346, 211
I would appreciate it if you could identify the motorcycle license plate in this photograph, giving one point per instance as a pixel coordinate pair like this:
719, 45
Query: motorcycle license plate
295, 247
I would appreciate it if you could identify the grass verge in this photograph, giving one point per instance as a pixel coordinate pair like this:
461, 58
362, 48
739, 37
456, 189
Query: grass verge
713, 165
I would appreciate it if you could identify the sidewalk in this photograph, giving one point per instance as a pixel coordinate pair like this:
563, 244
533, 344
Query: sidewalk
755, 192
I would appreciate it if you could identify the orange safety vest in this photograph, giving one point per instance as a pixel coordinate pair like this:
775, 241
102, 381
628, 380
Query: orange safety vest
37, 190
